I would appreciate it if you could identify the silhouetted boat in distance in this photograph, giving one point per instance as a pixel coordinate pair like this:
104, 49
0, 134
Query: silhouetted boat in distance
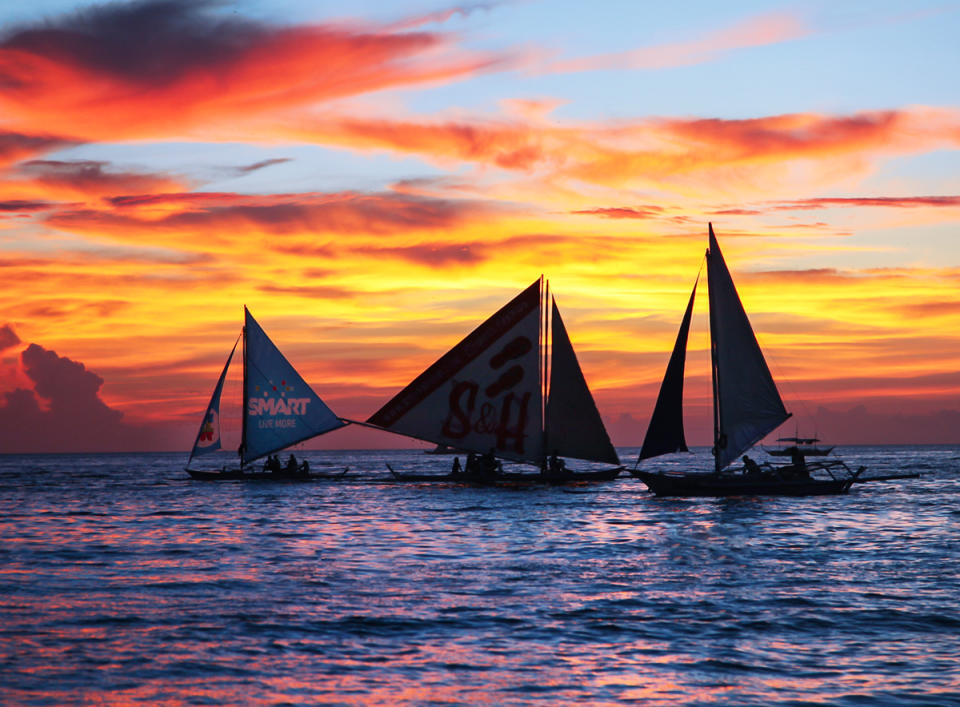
807, 446
746, 407
499, 395
443, 449
279, 410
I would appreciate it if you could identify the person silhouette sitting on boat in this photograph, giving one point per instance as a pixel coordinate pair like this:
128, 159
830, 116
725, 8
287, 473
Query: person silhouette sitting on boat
798, 461
272, 464
750, 467
556, 467
488, 465
304, 468
456, 470
291, 465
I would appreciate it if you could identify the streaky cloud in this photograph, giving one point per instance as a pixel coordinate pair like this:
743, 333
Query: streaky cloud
757, 31
901, 202
161, 67
623, 212
26, 205
17, 146
94, 177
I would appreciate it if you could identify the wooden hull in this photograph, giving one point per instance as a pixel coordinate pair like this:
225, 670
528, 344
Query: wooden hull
241, 475
739, 485
568, 477
513, 479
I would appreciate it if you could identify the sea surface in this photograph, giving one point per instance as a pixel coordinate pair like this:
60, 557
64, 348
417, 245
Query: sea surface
123, 581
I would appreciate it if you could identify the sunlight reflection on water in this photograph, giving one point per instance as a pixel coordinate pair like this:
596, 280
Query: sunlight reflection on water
123, 581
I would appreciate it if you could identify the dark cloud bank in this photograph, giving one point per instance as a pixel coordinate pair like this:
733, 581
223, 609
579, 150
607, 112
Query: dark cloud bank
64, 412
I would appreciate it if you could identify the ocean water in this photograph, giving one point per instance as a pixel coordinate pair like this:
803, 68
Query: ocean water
123, 581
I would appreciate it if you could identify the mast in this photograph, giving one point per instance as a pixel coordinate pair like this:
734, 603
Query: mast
544, 388
718, 441
747, 405
243, 412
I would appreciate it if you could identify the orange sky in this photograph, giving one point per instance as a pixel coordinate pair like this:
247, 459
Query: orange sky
373, 188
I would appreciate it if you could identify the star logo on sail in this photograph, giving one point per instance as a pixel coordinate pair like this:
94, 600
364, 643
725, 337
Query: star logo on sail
272, 400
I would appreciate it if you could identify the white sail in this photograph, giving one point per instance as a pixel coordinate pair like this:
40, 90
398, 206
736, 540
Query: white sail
573, 427
485, 393
747, 404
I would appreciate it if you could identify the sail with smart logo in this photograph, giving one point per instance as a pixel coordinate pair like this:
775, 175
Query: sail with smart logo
487, 395
279, 409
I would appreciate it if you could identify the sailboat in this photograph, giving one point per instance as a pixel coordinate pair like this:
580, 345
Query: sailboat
279, 409
502, 393
746, 408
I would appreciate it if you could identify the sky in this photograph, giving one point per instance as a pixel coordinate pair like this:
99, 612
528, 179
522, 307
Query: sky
374, 180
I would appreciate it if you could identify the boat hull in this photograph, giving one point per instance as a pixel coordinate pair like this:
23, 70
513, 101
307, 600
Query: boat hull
739, 485
508, 479
241, 475
568, 477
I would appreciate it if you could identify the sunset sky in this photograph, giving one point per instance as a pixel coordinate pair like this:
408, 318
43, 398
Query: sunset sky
372, 185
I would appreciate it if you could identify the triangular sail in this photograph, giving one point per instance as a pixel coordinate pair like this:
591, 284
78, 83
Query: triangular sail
747, 404
573, 425
280, 408
665, 433
208, 438
485, 393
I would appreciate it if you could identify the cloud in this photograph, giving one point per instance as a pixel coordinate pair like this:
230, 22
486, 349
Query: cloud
94, 178
623, 212
26, 205
221, 216
669, 154
160, 67
246, 169
437, 255
941, 308
17, 146
736, 212
8, 337
901, 202
441, 16
63, 412
758, 31
310, 291
69, 308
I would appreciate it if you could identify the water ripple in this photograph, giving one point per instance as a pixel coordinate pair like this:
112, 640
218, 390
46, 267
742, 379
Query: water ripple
122, 581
